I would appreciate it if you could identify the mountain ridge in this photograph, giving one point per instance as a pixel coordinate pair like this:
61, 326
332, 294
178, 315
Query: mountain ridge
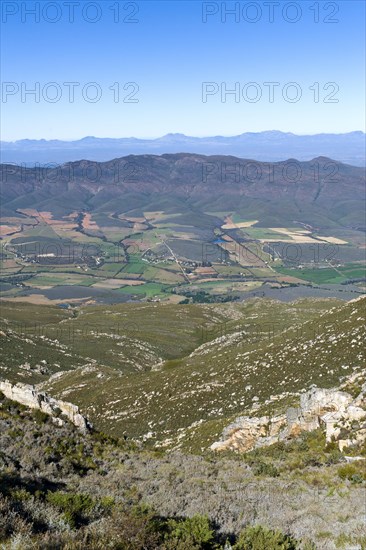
321, 183
271, 145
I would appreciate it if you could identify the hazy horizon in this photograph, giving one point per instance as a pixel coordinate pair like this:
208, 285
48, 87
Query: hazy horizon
143, 68
181, 134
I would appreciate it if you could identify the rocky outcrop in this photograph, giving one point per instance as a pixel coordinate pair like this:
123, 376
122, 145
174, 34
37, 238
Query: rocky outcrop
248, 433
28, 395
342, 417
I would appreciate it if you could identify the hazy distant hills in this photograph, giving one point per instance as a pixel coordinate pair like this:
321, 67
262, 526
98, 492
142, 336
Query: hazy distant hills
319, 192
265, 146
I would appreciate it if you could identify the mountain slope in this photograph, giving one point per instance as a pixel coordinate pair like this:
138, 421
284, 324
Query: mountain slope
190, 400
319, 191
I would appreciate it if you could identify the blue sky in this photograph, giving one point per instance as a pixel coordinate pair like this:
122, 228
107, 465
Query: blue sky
168, 53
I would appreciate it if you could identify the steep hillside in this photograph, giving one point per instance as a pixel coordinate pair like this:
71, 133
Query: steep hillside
176, 375
221, 368
231, 357
62, 489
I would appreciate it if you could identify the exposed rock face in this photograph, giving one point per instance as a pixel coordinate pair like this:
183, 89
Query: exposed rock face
243, 434
27, 395
342, 417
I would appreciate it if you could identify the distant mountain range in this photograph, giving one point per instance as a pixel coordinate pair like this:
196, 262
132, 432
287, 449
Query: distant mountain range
264, 146
321, 192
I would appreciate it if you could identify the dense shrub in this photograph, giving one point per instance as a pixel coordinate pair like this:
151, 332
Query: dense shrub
355, 473
260, 538
75, 507
40, 417
191, 533
265, 469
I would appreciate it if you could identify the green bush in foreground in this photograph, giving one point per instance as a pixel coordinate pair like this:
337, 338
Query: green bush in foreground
265, 469
74, 506
355, 473
191, 533
260, 538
